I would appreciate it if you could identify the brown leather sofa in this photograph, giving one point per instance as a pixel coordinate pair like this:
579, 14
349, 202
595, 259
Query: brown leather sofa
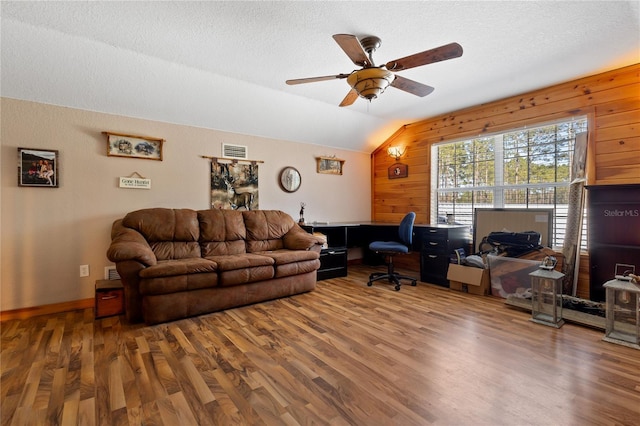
177, 263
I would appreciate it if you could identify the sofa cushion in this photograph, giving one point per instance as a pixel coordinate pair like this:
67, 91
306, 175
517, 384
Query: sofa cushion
245, 275
178, 283
171, 233
284, 256
239, 261
165, 250
265, 229
222, 232
168, 268
292, 262
297, 268
243, 268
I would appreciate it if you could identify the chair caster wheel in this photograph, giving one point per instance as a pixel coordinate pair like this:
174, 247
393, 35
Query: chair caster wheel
413, 283
397, 287
369, 284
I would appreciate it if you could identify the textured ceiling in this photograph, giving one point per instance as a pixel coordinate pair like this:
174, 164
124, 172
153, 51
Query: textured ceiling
223, 65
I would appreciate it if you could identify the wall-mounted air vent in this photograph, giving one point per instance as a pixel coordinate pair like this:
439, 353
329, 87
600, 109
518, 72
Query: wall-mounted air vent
234, 151
110, 273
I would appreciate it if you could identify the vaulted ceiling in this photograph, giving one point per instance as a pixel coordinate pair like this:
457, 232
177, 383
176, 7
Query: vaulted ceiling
223, 64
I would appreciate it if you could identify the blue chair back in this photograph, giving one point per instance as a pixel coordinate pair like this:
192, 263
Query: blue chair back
405, 230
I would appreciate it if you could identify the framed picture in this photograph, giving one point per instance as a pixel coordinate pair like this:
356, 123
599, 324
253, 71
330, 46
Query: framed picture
329, 165
38, 167
133, 146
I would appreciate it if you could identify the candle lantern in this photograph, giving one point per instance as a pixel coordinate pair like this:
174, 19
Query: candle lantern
623, 312
546, 295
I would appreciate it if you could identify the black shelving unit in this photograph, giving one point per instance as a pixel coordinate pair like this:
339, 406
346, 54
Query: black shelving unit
613, 214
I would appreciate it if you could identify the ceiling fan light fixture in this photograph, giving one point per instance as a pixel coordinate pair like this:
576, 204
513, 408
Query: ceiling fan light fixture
370, 82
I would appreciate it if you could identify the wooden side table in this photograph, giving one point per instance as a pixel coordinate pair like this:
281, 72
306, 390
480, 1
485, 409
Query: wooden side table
109, 298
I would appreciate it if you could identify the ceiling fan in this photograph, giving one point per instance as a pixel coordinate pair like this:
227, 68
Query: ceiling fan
371, 80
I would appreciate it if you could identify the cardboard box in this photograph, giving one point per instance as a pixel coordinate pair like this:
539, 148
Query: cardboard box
468, 279
510, 275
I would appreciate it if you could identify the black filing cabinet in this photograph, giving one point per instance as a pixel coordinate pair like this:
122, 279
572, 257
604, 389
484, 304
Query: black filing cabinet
437, 244
333, 259
333, 263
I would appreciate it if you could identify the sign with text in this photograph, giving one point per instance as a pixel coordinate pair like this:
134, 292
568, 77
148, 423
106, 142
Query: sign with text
135, 183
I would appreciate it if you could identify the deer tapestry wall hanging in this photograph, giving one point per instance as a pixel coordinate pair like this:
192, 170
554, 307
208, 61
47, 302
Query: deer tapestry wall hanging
234, 186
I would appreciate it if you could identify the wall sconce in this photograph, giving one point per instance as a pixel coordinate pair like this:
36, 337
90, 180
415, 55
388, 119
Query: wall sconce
397, 170
395, 152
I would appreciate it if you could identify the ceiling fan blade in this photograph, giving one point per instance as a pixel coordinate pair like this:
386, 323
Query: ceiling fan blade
442, 53
411, 86
314, 79
350, 98
352, 47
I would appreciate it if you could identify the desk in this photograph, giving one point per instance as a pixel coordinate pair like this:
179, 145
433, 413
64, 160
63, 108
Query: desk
435, 243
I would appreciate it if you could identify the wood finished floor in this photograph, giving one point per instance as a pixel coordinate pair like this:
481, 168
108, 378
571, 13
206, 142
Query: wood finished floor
345, 354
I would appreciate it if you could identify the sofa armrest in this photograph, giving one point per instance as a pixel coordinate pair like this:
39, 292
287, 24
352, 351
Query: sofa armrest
129, 271
299, 239
129, 244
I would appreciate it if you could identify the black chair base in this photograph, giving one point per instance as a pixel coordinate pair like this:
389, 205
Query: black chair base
391, 276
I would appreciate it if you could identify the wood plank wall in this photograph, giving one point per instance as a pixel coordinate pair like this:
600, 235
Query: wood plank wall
611, 100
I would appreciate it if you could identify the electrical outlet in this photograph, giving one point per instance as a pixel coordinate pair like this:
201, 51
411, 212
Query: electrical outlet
84, 271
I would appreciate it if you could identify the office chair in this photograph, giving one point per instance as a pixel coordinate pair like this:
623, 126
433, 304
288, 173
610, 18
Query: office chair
391, 248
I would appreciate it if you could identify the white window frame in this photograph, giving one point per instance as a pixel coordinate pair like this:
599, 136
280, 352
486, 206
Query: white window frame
498, 188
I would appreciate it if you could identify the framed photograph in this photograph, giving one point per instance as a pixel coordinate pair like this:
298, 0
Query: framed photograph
38, 167
329, 165
133, 146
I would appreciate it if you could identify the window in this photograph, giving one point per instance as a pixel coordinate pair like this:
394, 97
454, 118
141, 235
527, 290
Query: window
525, 168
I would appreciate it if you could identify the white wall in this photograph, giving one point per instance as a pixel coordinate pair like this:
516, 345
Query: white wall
47, 233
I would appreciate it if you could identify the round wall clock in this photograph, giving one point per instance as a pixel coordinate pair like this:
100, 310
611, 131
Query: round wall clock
290, 179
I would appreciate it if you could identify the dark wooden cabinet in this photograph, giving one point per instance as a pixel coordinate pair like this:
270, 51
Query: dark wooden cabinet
437, 244
613, 221
333, 259
109, 298
333, 263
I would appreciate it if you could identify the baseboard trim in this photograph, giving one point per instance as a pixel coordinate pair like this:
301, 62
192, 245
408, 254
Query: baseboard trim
54, 308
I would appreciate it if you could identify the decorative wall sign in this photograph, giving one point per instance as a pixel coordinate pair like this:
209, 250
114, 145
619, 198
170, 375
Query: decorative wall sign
37, 167
133, 182
234, 186
398, 170
329, 165
132, 146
